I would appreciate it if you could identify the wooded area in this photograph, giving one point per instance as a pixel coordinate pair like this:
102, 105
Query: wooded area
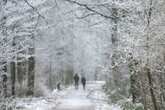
44, 42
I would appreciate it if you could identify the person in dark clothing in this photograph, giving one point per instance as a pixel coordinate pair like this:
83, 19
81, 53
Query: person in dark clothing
76, 80
83, 81
59, 86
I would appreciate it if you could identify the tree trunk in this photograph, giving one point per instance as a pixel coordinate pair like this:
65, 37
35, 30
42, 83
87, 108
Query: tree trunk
12, 66
114, 41
151, 89
31, 75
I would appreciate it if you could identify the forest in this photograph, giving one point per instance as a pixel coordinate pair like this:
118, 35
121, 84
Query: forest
116, 45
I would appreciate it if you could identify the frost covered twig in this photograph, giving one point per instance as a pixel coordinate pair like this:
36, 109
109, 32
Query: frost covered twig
35, 9
90, 9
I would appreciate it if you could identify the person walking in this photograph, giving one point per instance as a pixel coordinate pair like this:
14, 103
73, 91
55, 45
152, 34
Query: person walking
59, 86
76, 80
83, 81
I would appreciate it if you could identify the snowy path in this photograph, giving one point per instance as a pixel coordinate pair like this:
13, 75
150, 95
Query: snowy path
76, 100
93, 98
80, 99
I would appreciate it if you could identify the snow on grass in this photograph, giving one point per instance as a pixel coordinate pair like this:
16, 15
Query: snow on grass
93, 98
98, 96
36, 103
41, 103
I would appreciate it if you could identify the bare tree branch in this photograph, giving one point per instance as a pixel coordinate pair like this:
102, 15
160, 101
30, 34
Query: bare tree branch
35, 9
86, 16
90, 9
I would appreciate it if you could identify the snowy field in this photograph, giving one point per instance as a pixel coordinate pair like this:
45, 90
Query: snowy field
93, 98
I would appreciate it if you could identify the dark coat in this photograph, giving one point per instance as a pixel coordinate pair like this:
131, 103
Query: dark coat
76, 78
83, 80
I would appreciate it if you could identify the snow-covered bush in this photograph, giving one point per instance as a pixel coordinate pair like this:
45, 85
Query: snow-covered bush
8, 104
127, 104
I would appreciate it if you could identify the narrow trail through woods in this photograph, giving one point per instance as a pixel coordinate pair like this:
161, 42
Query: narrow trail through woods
76, 100
93, 98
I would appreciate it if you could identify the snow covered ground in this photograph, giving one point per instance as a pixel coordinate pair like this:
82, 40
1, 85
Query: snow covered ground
93, 98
